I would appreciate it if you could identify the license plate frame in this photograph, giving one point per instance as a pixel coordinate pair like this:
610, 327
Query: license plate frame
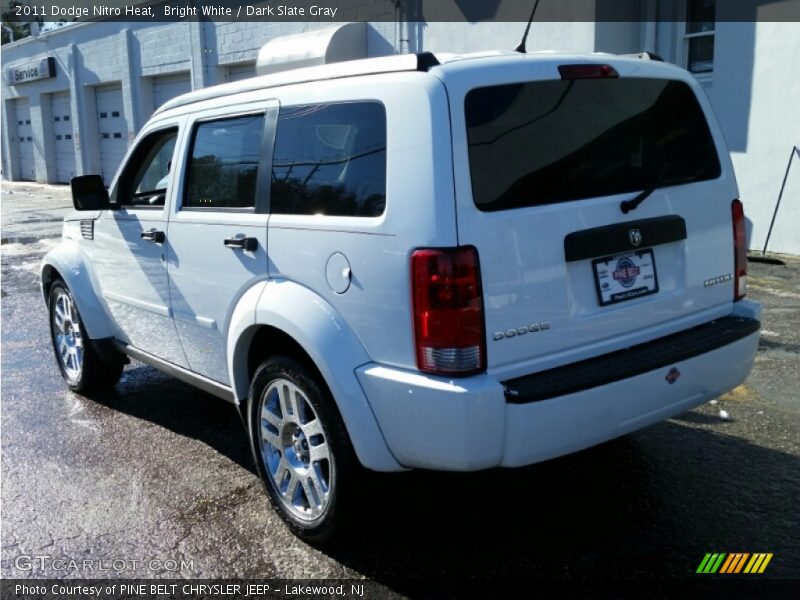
613, 288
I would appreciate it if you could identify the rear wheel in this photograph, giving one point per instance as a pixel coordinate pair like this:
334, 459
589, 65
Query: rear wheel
301, 448
77, 358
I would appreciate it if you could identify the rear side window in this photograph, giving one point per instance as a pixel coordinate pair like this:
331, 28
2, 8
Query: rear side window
330, 159
553, 141
223, 165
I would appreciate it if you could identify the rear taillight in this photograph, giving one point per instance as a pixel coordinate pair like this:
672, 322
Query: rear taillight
739, 251
448, 311
587, 71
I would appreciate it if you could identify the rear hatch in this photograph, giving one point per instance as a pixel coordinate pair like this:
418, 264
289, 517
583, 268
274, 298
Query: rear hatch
546, 151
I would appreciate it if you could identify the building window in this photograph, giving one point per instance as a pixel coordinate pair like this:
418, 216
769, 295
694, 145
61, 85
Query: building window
699, 36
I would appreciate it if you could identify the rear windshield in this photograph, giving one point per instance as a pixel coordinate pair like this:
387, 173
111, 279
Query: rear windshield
554, 141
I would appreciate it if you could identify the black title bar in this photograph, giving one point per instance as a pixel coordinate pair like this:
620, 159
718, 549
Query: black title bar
390, 10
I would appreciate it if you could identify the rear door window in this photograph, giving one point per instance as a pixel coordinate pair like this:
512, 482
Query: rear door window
330, 159
544, 142
223, 166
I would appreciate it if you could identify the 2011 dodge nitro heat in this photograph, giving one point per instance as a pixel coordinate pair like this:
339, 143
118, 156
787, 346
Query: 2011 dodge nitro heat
439, 262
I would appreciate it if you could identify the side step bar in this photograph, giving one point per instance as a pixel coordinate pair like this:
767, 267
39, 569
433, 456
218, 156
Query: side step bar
204, 383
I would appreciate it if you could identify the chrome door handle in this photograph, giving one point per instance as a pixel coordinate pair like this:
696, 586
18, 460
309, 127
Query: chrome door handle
245, 243
154, 236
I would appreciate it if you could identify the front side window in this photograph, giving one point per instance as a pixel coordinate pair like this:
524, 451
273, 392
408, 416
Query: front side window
145, 181
223, 166
700, 26
330, 159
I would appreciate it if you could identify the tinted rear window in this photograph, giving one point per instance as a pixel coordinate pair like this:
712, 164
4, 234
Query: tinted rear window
553, 141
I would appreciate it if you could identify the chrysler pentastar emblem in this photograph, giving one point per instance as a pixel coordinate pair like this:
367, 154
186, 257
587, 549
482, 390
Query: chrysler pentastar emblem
635, 236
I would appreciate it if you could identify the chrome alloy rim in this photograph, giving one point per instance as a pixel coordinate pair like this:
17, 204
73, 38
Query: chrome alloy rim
67, 335
295, 450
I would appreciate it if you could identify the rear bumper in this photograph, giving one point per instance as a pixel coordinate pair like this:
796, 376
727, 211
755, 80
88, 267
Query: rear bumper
474, 423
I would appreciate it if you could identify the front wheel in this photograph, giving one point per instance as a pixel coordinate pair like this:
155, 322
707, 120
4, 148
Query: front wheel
301, 448
79, 362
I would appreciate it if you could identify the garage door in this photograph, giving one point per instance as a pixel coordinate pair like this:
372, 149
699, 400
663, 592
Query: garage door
238, 72
112, 129
24, 140
166, 88
63, 133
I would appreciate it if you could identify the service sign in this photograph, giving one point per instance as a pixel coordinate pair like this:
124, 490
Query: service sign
32, 71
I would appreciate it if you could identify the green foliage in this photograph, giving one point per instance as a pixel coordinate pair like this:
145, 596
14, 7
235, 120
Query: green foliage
20, 30
12, 24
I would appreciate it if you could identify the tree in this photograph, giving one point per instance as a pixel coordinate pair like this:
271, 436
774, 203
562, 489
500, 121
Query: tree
13, 26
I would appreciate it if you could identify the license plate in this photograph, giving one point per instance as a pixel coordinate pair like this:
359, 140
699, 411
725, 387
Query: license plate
625, 276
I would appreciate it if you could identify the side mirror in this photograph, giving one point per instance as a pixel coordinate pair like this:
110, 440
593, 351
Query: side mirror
89, 193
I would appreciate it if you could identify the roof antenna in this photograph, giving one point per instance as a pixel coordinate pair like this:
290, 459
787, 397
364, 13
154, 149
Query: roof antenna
521, 48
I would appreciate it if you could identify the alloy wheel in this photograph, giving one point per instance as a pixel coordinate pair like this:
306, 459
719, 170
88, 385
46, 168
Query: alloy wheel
67, 335
295, 450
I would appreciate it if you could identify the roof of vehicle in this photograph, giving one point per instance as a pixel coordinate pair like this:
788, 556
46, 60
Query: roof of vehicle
423, 62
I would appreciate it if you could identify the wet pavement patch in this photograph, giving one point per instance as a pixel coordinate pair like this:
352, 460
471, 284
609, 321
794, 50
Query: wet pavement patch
158, 470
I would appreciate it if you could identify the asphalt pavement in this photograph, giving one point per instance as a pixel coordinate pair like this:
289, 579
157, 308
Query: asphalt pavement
158, 475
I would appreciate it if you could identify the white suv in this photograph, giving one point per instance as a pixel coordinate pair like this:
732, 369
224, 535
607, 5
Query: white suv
446, 262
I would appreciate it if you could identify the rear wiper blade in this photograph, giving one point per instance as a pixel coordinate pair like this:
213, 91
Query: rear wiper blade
628, 205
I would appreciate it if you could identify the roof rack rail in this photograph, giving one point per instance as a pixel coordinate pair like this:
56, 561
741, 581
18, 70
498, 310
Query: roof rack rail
644, 56
424, 61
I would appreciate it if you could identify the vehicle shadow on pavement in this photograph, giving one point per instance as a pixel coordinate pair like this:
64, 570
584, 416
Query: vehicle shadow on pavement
645, 506
147, 394
648, 505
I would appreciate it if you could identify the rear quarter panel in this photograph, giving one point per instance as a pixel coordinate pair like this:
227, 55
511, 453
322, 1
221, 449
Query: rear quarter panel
419, 212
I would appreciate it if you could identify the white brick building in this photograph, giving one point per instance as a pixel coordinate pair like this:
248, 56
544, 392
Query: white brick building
109, 77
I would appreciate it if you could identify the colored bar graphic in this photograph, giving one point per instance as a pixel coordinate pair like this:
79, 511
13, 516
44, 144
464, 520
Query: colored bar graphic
717, 564
735, 562
740, 564
730, 565
726, 565
765, 563
703, 563
711, 562
754, 563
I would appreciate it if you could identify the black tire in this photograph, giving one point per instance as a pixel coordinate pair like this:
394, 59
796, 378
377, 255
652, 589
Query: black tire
93, 373
342, 464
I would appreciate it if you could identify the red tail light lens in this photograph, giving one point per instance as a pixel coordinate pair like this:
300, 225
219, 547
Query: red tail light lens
448, 311
587, 71
739, 251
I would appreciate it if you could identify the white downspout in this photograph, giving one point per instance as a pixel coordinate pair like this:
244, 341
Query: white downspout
651, 27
